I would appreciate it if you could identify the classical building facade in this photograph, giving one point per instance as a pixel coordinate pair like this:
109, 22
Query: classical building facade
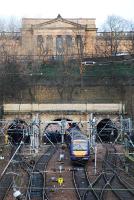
48, 38
44, 37
58, 36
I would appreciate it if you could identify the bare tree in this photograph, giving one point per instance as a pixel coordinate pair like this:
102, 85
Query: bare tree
2, 24
130, 37
9, 37
13, 24
111, 35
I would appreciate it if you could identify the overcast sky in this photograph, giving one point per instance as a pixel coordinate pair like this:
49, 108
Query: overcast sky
98, 9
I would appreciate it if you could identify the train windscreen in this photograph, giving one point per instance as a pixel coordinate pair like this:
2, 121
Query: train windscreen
80, 145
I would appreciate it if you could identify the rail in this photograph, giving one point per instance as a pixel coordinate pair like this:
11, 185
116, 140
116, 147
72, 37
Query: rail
37, 185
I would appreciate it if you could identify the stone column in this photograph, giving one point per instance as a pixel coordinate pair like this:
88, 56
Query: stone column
44, 41
35, 45
64, 45
73, 45
54, 45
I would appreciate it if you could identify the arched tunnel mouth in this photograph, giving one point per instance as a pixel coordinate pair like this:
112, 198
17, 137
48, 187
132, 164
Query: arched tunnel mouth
106, 131
52, 132
18, 131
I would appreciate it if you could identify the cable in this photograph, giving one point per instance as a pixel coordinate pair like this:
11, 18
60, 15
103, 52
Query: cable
73, 188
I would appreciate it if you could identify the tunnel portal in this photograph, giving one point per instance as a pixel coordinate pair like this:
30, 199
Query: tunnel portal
18, 131
106, 131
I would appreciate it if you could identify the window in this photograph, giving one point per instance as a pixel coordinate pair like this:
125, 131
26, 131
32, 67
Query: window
40, 40
59, 44
78, 40
69, 41
49, 42
79, 44
79, 146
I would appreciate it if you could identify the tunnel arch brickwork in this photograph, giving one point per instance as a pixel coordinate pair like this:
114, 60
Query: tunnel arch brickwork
80, 113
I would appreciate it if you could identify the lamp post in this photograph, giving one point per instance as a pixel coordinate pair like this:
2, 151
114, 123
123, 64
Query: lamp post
93, 139
35, 134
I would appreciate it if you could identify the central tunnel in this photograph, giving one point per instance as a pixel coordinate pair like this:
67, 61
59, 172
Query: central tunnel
52, 132
106, 131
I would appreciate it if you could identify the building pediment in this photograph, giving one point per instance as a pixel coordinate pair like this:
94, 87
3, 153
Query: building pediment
59, 22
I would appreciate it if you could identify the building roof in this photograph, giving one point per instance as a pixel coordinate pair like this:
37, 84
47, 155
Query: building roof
38, 22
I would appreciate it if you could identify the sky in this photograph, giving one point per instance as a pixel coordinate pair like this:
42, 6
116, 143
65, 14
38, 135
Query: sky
98, 9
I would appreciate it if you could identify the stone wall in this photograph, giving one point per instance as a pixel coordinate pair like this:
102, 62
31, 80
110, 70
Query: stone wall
80, 113
96, 94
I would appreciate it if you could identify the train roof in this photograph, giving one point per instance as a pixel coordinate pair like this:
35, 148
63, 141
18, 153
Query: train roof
79, 137
76, 133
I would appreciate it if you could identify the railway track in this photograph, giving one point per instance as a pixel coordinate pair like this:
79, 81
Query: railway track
6, 181
37, 182
109, 183
108, 193
5, 185
120, 188
81, 184
98, 184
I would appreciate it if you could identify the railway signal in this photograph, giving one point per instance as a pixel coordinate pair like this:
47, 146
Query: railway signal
63, 127
60, 180
34, 138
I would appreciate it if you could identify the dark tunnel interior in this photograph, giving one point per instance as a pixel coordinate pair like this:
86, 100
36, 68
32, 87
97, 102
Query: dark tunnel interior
17, 131
52, 131
106, 131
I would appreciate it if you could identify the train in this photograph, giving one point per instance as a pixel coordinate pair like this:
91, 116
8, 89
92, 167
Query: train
78, 144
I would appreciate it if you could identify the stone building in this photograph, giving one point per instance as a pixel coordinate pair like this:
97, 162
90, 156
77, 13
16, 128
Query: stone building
114, 43
58, 36
45, 37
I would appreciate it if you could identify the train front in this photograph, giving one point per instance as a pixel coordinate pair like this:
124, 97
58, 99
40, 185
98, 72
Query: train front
79, 150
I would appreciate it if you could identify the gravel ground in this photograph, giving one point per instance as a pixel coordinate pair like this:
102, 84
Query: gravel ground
5, 152
91, 163
66, 190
